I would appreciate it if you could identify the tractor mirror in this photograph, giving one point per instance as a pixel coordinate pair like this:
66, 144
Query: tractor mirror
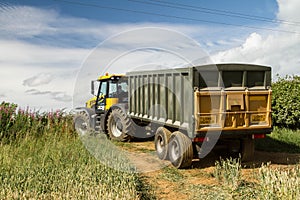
92, 88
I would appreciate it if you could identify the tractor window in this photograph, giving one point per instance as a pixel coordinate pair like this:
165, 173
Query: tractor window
103, 88
123, 90
117, 88
112, 91
122, 87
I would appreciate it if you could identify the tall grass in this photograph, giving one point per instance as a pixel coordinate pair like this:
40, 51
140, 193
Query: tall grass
41, 157
16, 123
60, 168
228, 173
267, 183
279, 184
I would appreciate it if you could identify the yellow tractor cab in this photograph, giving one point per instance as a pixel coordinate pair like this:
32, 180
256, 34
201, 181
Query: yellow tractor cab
108, 90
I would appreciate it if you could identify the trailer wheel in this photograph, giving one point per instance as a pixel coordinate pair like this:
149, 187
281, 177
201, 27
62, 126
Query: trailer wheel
247, 149
82, 124
161, 141
119, 126
180, 150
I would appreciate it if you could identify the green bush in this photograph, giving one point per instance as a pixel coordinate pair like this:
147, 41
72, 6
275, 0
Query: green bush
286, 102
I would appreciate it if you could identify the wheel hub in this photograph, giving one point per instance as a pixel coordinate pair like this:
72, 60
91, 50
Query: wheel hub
117, 128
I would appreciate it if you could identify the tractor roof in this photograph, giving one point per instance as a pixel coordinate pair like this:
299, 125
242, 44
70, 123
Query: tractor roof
109, 76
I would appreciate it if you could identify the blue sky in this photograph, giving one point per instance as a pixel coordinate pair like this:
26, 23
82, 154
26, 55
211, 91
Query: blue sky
45, 44
210, 14
104, 10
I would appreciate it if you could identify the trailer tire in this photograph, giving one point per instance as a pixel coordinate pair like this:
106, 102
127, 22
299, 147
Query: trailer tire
82, 124
247, 149
180, 150
161, 141
119, 126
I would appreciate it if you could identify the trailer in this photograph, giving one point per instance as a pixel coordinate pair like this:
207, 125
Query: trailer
188, 110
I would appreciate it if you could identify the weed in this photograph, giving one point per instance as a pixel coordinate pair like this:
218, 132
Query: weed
171, 174
279, 184
228, 173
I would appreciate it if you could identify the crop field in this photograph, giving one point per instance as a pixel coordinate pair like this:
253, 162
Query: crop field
41, 157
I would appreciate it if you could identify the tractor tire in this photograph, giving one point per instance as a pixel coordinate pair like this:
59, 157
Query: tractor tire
247, 149
161, 141
180, 150
119, 126
82, 124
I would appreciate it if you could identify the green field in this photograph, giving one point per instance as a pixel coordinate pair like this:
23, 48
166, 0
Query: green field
60, 167
41, 157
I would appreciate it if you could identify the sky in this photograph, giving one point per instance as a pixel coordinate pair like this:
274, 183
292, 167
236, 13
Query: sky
50, 50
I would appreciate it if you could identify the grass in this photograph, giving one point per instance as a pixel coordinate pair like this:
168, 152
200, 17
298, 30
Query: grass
230, 181
269, 183
266, 182
279, 184
171, 174
228, 173
59, 167
41, 157
280, 140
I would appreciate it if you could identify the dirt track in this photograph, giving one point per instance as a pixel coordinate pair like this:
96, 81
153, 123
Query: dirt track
143, 155
145, 151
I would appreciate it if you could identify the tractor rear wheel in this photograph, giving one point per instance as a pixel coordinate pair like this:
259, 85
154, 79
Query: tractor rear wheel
119, 126
180, 150
161, 141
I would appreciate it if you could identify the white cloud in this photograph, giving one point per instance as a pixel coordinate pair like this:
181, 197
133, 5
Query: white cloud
279, 50
37, 80
59, 96
41, 67
28, 54
25, 21
289, 10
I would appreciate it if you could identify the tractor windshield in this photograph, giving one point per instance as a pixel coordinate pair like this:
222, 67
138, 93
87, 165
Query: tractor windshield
118, 88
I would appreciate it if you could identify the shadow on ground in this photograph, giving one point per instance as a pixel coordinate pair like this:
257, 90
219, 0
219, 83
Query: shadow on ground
266, 150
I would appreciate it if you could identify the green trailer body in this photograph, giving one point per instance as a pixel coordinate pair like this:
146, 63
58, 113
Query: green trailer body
184, 97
